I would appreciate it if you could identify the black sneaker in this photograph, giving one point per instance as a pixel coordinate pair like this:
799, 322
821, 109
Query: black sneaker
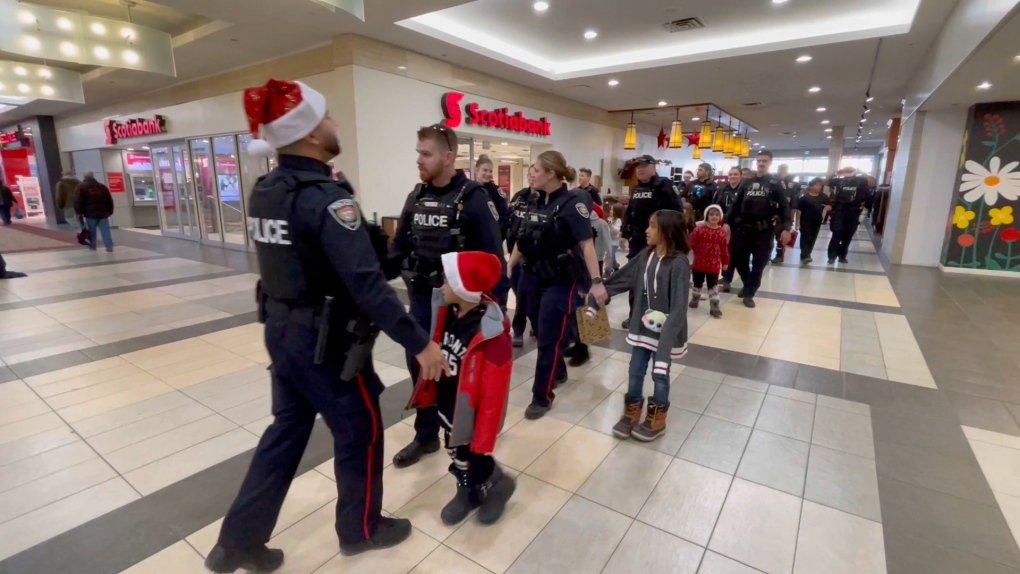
536, 411
560, 380
580, 357
778, 260
749, 302
413, 452
494, 498
742, 293
533, 335
458, 509
806, 261
13, 275
262, 559
843, 260
570, 351
518, 341
389, 533
625, 324
832, 261
725, 287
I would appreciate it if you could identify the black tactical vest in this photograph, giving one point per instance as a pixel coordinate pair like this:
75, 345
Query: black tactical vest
758, 204
848, 192
270, 214
436, 226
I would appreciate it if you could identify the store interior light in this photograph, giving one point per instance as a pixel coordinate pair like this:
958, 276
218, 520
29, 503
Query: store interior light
827, 130
31, 43
695, 119
23, 88
541, 6
130, 56
804, 58
127, 33
719, 139
21, 71
630, 138
44, 73
705, 141
97, 29
613, 82
696, 154
662, 103
26, 17
64, 24
870, 98
984, 86
68, 49
825, 122
101, 52
46, 90
676, 133
814, 89
590, 35
820, 110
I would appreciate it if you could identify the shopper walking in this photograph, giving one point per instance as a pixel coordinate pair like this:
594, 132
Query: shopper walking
660, 278
584, 184
759, 208
555, 249
7, 203
447, 212
66, 193
811, 209
710, 245
95, 204
323, 298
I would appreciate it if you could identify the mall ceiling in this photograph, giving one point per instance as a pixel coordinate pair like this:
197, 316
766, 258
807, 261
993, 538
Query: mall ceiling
745, 59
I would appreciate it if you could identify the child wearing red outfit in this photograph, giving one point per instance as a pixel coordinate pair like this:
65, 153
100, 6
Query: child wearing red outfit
710, 245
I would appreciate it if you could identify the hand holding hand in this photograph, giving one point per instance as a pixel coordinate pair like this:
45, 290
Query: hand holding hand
600, 293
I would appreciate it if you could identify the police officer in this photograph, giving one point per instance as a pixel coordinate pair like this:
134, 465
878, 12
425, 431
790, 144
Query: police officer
518, 209
323, 298
446, 212
651, 194
701, 191
584, 184
725, 196
484, 175
555, 249
760, 207
791, 191
850, 194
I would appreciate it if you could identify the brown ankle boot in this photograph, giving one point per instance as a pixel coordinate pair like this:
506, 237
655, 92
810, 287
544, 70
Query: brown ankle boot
654, 424
631, 417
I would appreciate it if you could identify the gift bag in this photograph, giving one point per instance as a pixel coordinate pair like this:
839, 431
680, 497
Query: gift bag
18, 212
592, 324
793, 239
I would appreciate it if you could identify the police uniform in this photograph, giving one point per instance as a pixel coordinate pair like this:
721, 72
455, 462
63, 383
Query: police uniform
791, 190
724, 197
593, 193
436, 220
498, 198
553, 272
701, 194
518, 209
849, 196
645, 200
758, 209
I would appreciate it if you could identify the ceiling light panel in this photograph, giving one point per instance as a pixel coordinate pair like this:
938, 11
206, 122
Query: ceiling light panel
35, 81
49, 34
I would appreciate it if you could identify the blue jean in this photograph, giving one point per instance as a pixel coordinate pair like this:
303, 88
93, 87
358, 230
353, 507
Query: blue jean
639, 359
613, 263
104, 227
5, 214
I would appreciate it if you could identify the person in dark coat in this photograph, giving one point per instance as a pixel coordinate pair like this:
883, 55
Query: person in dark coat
7, 203
95, 204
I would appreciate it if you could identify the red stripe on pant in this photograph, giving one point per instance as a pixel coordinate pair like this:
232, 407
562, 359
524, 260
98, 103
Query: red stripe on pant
563, 333
371, 448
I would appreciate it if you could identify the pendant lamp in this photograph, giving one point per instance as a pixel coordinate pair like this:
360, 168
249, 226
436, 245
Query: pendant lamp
676, 133
731, 138
719, 141
746, 151
697, 150
630, 139
705, 142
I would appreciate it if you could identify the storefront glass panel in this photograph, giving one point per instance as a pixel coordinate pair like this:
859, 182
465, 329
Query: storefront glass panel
205, 190
228, 189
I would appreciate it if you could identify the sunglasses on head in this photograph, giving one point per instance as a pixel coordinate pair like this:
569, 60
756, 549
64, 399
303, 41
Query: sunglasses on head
448, 135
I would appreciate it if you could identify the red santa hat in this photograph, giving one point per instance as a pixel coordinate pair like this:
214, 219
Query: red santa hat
471, 273
598, 211
281, 113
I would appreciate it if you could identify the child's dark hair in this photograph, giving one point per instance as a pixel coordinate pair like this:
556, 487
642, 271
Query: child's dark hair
672, 231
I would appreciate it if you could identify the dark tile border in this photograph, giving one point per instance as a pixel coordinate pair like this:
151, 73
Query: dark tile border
98, 263
830, 302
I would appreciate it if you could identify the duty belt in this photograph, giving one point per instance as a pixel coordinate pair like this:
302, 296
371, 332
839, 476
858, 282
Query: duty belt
306, 315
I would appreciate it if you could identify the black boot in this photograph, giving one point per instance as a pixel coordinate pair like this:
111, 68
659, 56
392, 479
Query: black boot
262, 559
494, 494
413, 452
389, 533
518, 341
570, 351
463, 502
581, 355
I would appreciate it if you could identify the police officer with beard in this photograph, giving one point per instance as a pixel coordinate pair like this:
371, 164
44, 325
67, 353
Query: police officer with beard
725, 196
850, 194
701, 191
323, 298
760, 207
651, 194
484, 174
518, 210
791, 190
446, 212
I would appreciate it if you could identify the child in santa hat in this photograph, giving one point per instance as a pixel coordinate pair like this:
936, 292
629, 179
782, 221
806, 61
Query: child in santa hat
710, 243
474, 335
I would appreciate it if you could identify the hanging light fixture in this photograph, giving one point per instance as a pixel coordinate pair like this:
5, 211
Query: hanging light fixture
697, 150
731, 139
676, 133
705, 142
719, 140
747, 144
630, 139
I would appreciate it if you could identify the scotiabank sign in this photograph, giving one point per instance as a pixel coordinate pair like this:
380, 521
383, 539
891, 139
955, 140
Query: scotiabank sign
455, 111
133, 128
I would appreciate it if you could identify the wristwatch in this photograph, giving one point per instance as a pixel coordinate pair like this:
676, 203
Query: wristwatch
596, 281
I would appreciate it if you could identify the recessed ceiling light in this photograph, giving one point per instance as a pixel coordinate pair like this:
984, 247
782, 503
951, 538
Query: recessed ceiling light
984, 86
814, 89
828, 137
101, 52
869, 98
20, 71
26, 17
779, 1
44, 73
827, 130
127, 33
23, 88
64, 24
804, 58
695, 119
541, 6
47, 91
130, 57
68, 49
590, 35
31, 43
820, 110
825, 122
97, 29
662, 103
614, 82
503, 143
131, 149
401, 67
1016, 58
867, 110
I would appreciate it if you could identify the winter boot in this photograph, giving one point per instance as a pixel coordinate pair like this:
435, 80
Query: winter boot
493, 495
654, 424
631, 417
695, 297
725, 287
463, 502
713, 302
580, 356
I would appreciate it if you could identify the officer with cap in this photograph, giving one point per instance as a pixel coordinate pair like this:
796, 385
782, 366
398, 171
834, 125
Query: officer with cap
651, 194
518, 209
791, 191
850, 194
760, 207
323, 298
446, 212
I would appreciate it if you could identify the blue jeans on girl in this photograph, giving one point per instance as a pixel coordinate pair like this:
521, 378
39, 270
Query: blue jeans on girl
639, 359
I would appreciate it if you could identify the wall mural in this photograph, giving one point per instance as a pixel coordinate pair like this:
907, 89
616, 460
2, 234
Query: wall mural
983, 231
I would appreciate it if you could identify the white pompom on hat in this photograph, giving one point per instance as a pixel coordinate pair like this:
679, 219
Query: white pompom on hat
472, 274
281, 113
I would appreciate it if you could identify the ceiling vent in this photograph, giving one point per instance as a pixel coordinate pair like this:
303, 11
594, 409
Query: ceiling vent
752, 105
684, 25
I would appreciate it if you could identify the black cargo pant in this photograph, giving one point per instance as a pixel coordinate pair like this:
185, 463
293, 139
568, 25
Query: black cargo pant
351, 411
843, 224
749, 254
808, 236
426, 421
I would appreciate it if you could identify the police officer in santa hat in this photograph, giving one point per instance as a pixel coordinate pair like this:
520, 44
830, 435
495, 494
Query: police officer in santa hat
446, 212
323, 298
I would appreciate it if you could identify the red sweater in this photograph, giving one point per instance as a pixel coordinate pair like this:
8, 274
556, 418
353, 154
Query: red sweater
711, 249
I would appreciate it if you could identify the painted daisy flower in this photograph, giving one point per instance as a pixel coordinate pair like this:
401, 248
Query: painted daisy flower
992, 182
1002, 216
962, 217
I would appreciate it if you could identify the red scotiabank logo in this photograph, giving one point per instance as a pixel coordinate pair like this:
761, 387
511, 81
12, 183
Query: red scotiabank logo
133, 128
500, 119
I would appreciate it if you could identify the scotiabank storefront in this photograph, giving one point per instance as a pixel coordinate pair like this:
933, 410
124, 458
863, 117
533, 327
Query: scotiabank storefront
183, 170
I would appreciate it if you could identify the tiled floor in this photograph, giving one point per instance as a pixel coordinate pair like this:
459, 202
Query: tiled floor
838, 427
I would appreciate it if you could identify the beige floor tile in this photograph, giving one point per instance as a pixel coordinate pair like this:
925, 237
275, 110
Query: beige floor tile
713, 563
43, 464
85, 371
838, 543
399, 560
117, 400
1001, 466
646, 549
147, 428
527, 440
1010, 506
117, 370
161, 355
401, 485
179, 558
687, 501
497, 546
166, 471
24, 356
53, 487
610, 374
28, 427
176, 440
423, 510
191, 377
443, 560
99, 390
309, 543
38, 443
23, 411
15, 393
572, 459
758, 526
739, 343
992, 437
130, 414
251, 411
63, 515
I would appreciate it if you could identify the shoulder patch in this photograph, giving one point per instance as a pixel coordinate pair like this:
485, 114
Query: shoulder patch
583, 210
346, 213
492, 209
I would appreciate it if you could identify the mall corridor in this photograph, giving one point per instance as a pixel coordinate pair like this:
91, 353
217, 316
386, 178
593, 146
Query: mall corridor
837, 428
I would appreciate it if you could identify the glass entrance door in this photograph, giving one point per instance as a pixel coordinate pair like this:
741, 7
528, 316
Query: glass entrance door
171, 170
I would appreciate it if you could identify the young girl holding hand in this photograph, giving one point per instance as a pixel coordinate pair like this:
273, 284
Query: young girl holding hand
660, 278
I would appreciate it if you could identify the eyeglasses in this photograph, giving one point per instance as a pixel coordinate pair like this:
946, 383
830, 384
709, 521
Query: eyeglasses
449, 135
